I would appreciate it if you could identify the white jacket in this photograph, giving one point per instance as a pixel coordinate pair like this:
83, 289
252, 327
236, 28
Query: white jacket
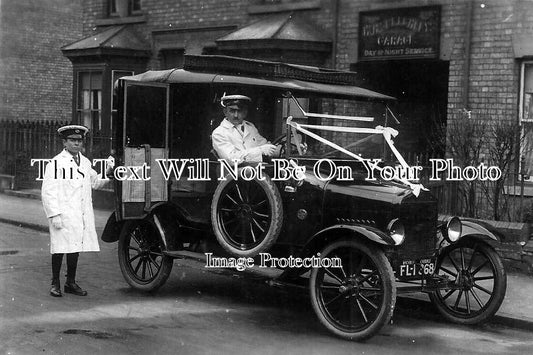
230, 144
70, 197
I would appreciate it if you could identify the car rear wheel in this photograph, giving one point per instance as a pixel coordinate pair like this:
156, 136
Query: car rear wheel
479, 282
141, 258
356, 300
246, 215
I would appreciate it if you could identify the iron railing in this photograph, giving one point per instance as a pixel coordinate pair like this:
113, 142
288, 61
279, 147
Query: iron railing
22, 141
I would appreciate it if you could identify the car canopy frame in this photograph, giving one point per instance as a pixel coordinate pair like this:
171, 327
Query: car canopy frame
294, 78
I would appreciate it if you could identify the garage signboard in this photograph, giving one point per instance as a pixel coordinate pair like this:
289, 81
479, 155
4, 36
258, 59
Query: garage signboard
399, 33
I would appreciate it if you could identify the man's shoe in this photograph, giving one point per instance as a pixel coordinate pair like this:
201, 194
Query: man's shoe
55, 291
74, 289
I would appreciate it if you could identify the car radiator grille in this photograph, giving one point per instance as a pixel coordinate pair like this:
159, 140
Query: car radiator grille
420, 222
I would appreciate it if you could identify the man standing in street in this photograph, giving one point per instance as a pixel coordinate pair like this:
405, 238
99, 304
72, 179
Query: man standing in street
237, 139
67, 201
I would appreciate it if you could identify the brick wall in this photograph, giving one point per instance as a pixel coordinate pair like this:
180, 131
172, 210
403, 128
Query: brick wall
170, 14
35, 78
493, 75
494, 72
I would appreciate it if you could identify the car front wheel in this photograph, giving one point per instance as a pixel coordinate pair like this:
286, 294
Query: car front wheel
355, 300
478, 282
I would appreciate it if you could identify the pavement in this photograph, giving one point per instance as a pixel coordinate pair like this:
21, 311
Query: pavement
24, 209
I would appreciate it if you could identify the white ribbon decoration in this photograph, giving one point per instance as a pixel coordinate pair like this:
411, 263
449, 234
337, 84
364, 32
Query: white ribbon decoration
319, 115
387, 133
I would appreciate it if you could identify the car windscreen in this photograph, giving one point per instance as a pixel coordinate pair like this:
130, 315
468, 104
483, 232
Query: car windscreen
342, 129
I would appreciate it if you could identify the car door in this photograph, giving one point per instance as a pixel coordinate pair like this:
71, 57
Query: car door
145, 139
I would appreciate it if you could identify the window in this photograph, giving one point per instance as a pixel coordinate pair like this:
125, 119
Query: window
124, 8
89, 105
526, 118
112, 10
135, 6
90, 100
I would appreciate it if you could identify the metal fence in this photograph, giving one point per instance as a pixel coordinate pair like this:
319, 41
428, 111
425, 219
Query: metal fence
21, 141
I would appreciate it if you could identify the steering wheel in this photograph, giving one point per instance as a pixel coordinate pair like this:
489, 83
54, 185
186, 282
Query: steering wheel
282, 140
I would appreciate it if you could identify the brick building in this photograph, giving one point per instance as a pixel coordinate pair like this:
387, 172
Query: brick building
439, 58
35, 78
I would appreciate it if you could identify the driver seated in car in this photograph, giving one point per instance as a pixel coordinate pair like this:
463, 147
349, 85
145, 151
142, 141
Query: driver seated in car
238, 139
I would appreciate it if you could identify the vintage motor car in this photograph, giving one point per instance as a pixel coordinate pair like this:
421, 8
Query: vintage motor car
363, 228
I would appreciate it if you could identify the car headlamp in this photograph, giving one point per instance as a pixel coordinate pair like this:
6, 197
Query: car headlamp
396, 231
454, 227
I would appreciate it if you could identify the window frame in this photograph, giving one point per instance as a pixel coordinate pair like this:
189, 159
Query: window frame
521, 114
79, 86
131, 10
79, 110
112, 10
124, 8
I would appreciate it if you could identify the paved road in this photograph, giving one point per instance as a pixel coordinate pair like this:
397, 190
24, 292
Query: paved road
196, 312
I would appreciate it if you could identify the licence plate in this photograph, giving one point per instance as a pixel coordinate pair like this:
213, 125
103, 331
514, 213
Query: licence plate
415, 269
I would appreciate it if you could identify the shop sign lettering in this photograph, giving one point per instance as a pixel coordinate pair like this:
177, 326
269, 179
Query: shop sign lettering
399, 33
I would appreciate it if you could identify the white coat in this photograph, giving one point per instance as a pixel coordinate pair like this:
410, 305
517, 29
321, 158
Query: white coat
230, 144
66, 192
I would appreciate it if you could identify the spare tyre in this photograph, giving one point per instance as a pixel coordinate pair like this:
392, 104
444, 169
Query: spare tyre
246, 215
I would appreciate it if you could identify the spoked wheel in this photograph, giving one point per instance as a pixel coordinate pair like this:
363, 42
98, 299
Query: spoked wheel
356, 300
478, 282
246, 215
141, 258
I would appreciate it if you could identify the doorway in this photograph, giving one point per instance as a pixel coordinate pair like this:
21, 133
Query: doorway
421, 89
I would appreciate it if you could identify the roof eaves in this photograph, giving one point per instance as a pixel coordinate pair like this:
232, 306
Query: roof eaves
288, 44
94, 36
283, 24
112, 36
99, 51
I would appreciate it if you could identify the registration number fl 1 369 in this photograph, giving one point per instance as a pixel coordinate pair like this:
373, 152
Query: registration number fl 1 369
411, 268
